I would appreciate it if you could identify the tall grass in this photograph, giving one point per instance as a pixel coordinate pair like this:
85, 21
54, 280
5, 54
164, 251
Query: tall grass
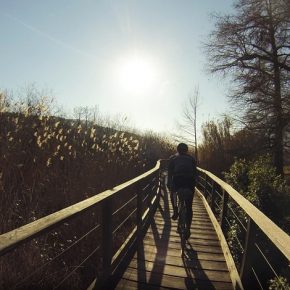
48, 163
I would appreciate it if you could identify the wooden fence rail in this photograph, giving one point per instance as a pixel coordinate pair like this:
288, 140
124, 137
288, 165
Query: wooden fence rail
261, 250
124, 209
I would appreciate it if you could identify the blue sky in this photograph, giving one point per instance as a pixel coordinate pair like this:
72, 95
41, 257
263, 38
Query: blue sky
80, 50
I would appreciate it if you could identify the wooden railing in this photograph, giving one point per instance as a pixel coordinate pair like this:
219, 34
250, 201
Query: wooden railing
83, 245
85, 242
261, 250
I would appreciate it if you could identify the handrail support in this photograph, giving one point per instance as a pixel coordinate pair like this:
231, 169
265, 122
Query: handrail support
107, 239
248, 256
139, 212
224, 209
213, 196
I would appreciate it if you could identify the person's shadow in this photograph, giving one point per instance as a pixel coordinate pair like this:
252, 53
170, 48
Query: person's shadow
196, 277
161, 241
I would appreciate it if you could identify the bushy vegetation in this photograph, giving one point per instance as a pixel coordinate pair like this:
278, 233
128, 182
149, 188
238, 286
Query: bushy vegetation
279, 283
258, 182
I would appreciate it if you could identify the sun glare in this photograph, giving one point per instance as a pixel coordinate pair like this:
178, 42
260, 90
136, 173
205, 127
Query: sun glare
136, 74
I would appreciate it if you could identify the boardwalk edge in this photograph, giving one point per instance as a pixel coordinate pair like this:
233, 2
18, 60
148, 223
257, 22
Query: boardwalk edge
237, 284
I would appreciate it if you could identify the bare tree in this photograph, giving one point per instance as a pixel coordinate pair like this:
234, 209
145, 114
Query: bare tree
188, 126
253, 47
95, 114
78, 113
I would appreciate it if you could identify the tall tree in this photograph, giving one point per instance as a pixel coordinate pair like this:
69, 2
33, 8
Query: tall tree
253, 47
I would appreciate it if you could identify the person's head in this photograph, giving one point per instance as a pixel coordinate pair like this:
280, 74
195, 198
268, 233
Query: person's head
182, 148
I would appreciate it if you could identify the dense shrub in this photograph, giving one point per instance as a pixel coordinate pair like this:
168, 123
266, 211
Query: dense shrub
258, 182
279, 283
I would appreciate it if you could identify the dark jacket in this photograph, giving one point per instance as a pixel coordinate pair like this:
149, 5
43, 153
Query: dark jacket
181, 172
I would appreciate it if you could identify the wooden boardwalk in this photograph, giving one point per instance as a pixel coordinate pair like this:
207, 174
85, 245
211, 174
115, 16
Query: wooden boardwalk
157, 263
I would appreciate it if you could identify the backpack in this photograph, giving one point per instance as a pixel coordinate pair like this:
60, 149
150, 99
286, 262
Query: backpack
184, 165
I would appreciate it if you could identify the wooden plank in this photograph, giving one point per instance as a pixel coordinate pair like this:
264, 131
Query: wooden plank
180, 271
133, 285
196, 244
192, 240
163, 280
195, 207
194, 227
125, 284
176, 253
197, 216
195, 230
176, 245
197, 221
205, 237
177, 261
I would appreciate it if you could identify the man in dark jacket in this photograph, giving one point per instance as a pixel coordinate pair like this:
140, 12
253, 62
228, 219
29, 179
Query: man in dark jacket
181, 174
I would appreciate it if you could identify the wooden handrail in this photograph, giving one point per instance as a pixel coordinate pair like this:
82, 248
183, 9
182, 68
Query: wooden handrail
15, 237
267, 226
10, 240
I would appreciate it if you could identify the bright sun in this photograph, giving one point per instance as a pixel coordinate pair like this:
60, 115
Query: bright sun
136, 74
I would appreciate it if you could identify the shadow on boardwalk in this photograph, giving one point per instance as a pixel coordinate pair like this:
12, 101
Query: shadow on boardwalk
191, 266
157, 262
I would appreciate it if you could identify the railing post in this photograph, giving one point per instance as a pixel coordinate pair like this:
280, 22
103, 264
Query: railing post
159, 181
205, 186
139, 212
159, 186
107, 239
224, 209
248, 256
213, 196
199, 179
